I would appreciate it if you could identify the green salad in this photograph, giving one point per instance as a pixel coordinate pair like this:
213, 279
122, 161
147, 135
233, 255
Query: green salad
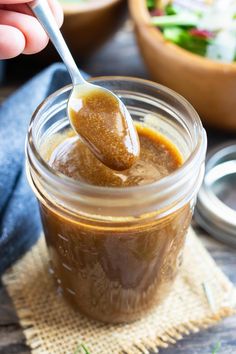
203, 27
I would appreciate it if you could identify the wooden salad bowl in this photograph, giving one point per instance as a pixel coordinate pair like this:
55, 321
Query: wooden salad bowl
208, 85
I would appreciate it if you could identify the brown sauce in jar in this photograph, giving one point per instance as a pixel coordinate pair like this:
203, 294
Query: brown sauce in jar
115, 273
158, 158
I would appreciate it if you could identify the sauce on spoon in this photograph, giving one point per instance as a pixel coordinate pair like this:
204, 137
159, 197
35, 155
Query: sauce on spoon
105, 125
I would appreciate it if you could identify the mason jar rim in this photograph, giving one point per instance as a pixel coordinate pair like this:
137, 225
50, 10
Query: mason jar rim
196, 155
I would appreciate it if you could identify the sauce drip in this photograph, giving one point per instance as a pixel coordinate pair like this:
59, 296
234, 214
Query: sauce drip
98, 117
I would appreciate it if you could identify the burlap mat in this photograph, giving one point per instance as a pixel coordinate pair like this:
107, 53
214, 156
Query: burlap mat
201, 296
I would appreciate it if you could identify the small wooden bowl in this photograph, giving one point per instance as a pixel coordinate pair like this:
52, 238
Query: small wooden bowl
209, 85
88, 25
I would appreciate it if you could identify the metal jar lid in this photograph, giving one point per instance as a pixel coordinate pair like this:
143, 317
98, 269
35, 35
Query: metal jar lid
216, 205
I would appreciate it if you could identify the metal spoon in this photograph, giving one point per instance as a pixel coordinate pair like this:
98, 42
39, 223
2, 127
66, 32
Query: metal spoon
95, 113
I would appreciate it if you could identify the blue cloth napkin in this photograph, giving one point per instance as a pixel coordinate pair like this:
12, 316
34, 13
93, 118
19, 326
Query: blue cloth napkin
19, 218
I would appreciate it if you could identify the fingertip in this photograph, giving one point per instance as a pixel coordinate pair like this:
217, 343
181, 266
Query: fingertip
36, 49
42, 42
36, 38
12, 42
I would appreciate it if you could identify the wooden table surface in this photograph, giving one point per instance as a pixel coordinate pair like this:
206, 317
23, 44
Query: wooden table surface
120, 56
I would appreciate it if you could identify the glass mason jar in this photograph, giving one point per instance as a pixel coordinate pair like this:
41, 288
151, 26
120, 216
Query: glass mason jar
115, 252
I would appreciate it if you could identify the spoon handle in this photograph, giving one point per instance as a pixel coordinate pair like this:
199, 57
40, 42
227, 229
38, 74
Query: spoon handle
42, 12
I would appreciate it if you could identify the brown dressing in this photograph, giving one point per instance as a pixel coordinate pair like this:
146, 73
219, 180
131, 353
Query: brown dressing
115, 273
158, 158
98, 117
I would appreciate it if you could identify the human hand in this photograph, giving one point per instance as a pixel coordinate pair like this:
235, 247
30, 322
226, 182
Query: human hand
20, 31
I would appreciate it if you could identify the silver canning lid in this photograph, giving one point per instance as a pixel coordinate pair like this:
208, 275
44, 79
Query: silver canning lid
216, 205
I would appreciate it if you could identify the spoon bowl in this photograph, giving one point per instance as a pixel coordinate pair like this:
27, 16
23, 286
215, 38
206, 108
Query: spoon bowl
103, 122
